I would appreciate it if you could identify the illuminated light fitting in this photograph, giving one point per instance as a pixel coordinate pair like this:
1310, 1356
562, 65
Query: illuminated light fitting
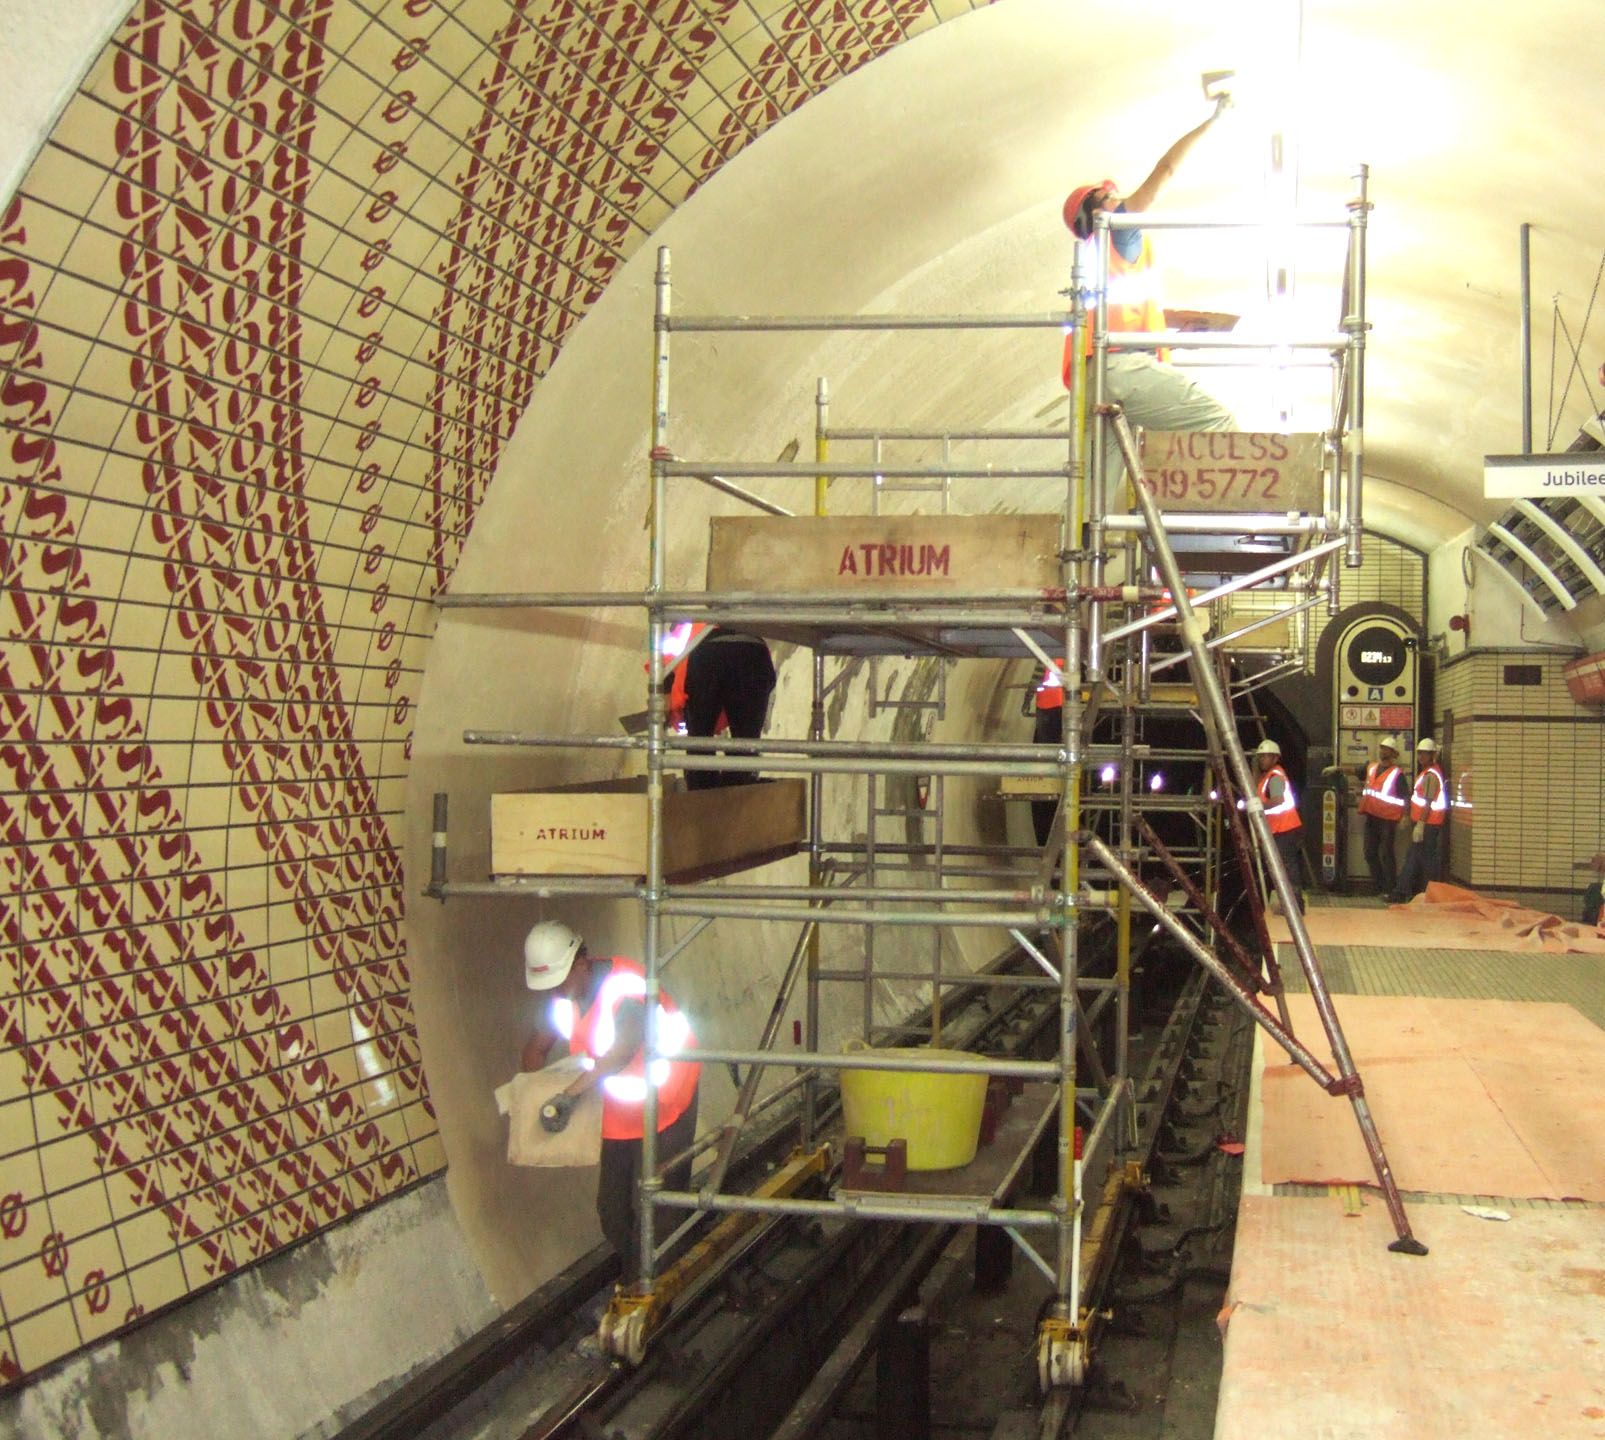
1108, 774
1156, 782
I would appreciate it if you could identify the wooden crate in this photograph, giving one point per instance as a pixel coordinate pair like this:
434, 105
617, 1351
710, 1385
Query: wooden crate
600, 829
861, 554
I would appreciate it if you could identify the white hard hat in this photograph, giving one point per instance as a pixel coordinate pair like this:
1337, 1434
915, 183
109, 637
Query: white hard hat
1426, 742
549, 951
1389, 742
1268, 747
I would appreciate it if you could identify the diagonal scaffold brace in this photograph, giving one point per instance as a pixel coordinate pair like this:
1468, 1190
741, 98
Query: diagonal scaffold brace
1210, 691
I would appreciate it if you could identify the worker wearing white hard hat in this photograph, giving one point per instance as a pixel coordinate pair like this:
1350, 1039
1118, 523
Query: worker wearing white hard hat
1281, 811
1381, 807
598, 1008
1429, 818
1153, 393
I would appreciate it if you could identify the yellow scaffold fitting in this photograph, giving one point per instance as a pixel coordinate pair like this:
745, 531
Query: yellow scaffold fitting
1063, 1353
632, 1319
628, 1323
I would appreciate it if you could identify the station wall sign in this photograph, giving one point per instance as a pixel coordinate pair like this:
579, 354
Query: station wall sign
1531, 477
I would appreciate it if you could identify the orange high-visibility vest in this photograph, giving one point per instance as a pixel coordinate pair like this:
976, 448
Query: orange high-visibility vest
1434, 812
1382, 795
1050, 689
592, 1034
1133, 302
1284, 817
676, 641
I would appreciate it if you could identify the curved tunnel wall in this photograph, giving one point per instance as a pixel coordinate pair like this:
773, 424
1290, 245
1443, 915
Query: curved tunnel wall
277, 290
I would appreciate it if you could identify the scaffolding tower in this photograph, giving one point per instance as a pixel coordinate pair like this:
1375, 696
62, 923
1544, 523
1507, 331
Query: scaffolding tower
1103, 848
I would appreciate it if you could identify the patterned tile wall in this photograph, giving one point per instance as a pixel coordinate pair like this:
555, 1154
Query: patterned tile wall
275, 294
1528, 772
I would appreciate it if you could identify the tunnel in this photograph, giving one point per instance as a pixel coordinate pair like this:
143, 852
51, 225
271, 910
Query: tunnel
319, 311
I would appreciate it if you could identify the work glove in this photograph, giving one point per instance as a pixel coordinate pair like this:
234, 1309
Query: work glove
1418, 831
555, 1113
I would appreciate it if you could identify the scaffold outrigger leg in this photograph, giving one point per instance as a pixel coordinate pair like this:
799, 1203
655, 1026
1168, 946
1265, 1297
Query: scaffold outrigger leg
1224, 732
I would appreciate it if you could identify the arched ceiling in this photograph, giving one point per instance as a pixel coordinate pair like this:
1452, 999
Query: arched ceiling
282, 281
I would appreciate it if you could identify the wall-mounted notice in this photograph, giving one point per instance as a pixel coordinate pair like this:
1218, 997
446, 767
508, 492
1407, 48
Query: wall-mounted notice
1529, 477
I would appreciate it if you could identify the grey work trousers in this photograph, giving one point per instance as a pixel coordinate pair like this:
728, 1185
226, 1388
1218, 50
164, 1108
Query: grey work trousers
1422, 863
1156, 396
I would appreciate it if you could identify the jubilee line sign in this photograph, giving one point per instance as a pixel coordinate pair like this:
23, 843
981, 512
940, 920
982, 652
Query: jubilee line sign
1528, 477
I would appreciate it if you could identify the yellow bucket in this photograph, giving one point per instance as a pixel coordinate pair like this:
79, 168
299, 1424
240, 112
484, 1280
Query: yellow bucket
938, 1115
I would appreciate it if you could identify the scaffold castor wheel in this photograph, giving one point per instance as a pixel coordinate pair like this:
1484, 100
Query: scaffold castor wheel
627, 1326
1061, 1355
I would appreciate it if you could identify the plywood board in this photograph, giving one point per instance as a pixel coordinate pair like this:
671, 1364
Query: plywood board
1029, 787
1498, 1331
601, 830
1471, 1097
861, 554
1277, 635
1209, 471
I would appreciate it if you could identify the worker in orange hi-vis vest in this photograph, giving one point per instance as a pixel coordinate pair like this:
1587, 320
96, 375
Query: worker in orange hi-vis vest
1153, 392
723, 684
1382, 806
1429, 816
1047, 729
1281, 811
598, 1008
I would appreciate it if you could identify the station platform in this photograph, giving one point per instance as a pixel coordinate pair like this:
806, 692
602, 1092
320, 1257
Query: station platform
1485, 1071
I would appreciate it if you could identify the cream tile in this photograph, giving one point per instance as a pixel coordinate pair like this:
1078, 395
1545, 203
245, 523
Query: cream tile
81, 1211
42, 1337
156, 1283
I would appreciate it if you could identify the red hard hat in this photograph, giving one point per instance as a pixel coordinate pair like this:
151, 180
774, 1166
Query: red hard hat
1076, 199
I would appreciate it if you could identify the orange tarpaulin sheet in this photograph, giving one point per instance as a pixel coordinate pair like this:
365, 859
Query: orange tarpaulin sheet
1447, 917
1552, 932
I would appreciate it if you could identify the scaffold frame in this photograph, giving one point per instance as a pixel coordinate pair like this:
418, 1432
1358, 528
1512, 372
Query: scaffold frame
1102, 631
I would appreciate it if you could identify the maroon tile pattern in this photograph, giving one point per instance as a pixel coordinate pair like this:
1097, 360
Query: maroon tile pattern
273, 296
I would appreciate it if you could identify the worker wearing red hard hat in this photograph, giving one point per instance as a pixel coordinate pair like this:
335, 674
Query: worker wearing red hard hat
1153, 393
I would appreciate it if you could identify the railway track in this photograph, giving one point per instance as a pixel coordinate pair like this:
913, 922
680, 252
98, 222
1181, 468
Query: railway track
774, 1341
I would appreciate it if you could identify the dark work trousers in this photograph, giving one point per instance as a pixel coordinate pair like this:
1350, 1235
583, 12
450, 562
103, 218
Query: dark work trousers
1593, 900
615, 1188
1381, 853
1288, 847
1049, 730
733, 675
1422, 863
